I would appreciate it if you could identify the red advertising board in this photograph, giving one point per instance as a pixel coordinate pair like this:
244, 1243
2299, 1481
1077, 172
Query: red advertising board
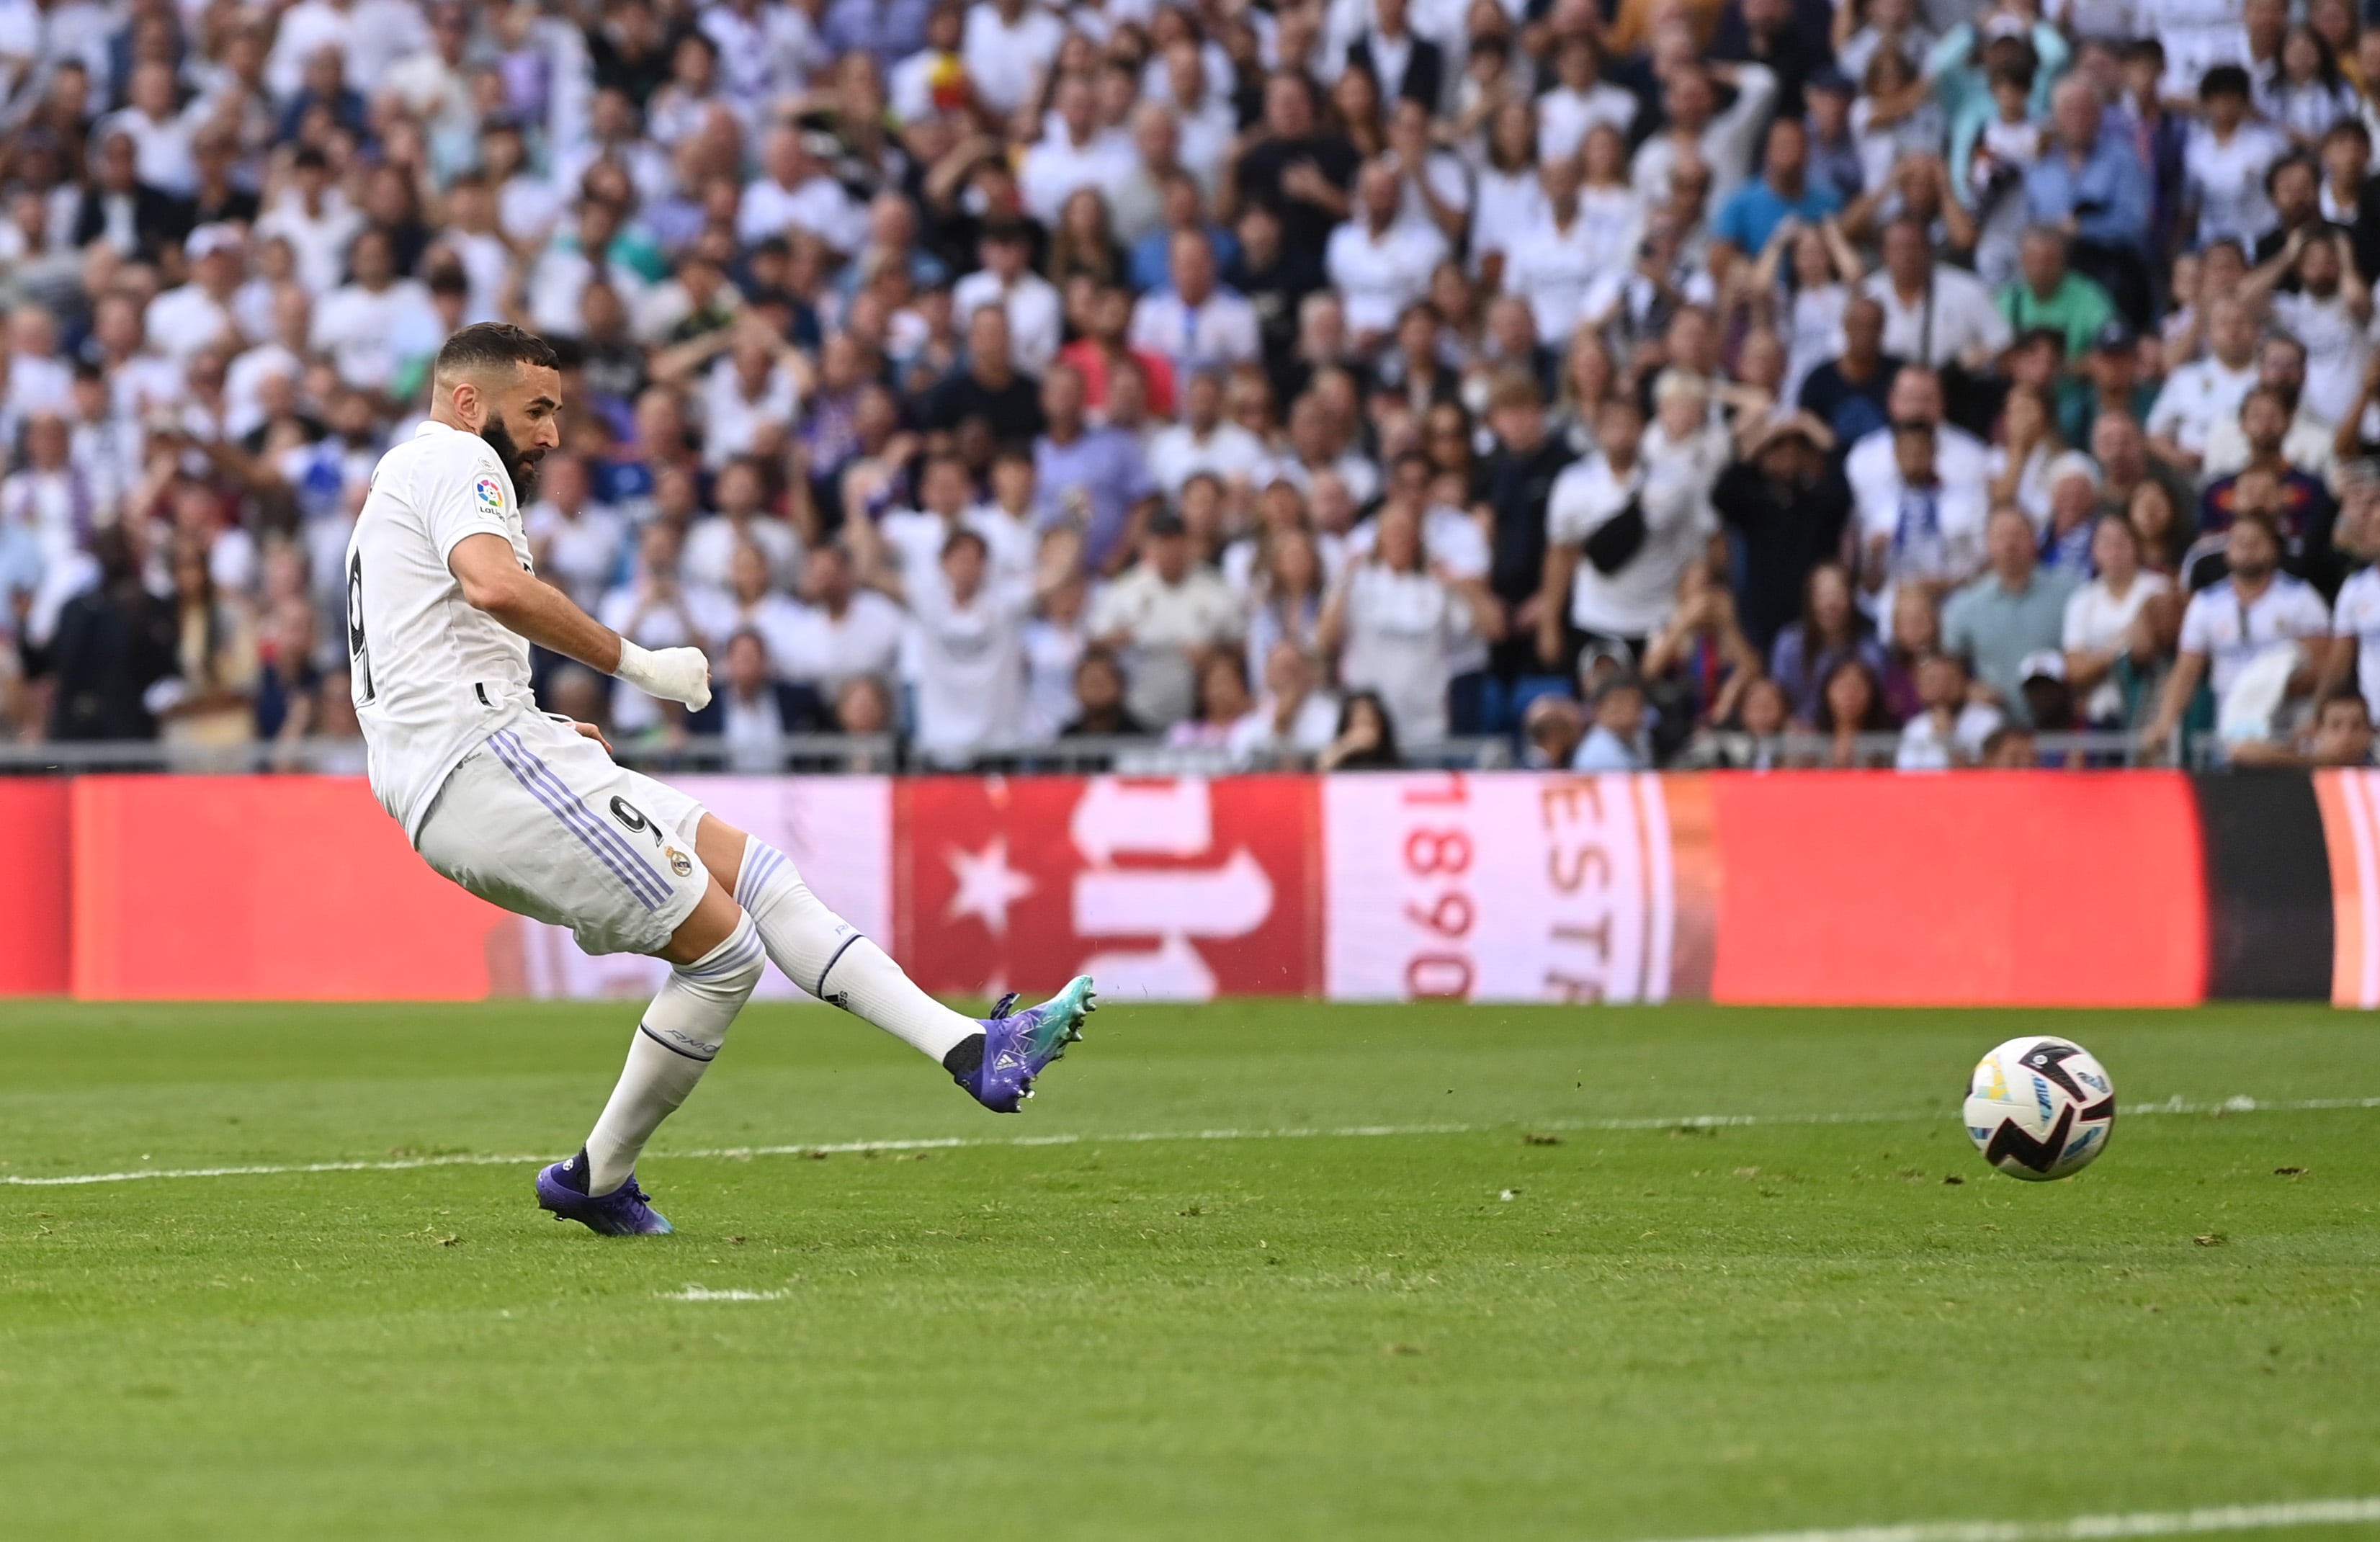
36, 886
255, 888
1979, 888
1166, 889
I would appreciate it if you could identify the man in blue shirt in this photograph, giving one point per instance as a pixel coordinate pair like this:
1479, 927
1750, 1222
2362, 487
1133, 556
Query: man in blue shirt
2095, 187
1753, 213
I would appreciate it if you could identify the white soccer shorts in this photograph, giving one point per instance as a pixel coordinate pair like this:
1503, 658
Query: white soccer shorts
540, 820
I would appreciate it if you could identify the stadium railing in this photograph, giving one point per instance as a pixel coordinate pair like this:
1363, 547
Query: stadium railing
836, 754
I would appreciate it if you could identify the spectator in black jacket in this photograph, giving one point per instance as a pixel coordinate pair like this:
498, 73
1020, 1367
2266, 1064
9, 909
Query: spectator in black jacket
1787, 504
1406, 66
140, 221
754, 711
112, 642
1516, 479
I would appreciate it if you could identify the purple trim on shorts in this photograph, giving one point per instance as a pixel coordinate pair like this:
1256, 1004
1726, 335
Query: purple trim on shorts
573, 815
650, 879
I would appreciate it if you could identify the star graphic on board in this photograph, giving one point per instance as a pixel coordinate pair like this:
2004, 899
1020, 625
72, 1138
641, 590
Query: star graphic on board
988, 885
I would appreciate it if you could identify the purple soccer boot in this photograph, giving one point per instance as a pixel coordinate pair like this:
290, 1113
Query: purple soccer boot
999, 1066
624, 1212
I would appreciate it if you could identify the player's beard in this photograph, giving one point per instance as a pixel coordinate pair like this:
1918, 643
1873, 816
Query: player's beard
519, 465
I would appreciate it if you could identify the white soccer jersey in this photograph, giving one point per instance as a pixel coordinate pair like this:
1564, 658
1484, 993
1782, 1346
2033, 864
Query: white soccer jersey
2229, 632
431, 676
2358, 616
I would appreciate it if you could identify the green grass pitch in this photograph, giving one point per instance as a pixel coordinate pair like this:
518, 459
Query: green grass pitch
1660, 1333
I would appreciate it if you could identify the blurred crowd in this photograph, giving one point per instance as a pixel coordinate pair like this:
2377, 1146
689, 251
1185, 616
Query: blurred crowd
1308, 381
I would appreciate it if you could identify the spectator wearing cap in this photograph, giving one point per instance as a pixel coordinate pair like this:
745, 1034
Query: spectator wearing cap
2015, 609
2047, 293
2106, 378
1036, 315
2094, 187
1161, 616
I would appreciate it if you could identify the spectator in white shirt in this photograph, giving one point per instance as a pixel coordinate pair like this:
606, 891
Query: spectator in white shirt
710, 544
796, 193
1380, 263
1933, 314
1076, 153
1696, 130
846, 632
2233, 623
1292, 722
1555, 264
1581, 100
2206, 391
1396, 620
2099, 618
197, 315
373, 324
1161, 616
1921, 526
2224, 161
314, 217
160, 139
1951, 727
1036, 315
751, 394
1007, 45
1203, 440
965, 657
1198, 324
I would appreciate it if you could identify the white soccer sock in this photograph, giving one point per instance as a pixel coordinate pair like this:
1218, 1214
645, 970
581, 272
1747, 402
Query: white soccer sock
680, 1035
826, 956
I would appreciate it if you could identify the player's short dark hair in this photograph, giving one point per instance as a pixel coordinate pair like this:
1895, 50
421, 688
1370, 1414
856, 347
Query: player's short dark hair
492, 344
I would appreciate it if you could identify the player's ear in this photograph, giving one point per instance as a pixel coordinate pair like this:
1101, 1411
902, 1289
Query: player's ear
469, 405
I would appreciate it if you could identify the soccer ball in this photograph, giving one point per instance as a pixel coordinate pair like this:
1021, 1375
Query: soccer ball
2040, 1108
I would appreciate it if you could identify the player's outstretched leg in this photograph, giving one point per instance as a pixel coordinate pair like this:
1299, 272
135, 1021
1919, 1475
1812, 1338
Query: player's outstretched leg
994, 1060
675, 1043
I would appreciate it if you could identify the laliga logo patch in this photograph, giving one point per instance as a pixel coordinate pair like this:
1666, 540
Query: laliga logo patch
491, 496
679, 863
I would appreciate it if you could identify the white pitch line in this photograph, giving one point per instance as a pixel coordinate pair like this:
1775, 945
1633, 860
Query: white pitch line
1142, 1138
2083, 1528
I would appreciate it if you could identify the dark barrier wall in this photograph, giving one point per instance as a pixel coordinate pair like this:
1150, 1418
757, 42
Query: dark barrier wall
2268, 904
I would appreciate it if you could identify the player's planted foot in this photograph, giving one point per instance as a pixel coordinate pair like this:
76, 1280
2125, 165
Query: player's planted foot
998, 1065
624, 1212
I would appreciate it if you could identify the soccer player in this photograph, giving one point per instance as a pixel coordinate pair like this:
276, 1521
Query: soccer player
528, 811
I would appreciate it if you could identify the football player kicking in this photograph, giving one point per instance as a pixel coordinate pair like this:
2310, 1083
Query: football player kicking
528, 811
